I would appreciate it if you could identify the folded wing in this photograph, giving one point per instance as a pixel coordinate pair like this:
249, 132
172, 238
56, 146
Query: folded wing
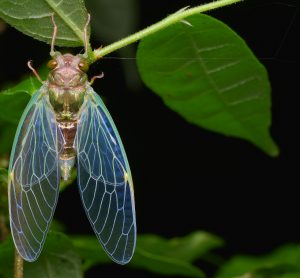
34, 177
104, 179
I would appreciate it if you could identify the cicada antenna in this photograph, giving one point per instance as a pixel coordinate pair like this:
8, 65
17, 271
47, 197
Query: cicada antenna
29, 64
96, 77
52, 51
86, 35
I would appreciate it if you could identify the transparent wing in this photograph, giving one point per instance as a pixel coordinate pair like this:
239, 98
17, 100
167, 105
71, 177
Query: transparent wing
105, 181
34, 177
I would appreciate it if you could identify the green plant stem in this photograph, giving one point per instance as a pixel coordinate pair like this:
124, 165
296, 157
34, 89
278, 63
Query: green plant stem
174, 18
18, 271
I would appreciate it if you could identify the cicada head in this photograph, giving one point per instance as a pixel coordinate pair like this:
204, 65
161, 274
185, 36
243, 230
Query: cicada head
68, 71
67, 83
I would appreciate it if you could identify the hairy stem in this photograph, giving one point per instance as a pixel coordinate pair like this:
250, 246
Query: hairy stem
174, 18
18, 271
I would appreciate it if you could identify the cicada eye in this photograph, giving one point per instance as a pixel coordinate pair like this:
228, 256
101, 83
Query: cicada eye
52, 64
83, 65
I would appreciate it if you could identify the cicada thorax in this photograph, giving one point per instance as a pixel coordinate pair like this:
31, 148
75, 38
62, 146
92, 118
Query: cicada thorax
67, 85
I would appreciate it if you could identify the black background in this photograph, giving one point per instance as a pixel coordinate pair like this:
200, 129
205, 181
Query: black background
187, 178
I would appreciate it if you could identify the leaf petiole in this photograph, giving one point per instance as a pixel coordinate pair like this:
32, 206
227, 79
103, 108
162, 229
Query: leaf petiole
169, 20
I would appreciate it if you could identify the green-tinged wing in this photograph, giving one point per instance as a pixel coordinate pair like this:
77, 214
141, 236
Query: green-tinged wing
34, 176
104, 179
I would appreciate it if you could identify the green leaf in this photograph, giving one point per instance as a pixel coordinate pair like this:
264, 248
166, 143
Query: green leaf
34, 19
58, 259
156, 254
164, 265
207, 74
90, 250
7, 132
188, 248
6, 258
282, 263
57, 226
13, 102
12, 106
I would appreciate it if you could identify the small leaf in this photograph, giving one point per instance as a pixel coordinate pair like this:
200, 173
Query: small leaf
282, 263
13, 102
33, 17
188, 248
58, 259
164, 265
206, 73
14, 99
156, 254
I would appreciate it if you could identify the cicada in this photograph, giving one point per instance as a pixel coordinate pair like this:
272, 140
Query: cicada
66, 123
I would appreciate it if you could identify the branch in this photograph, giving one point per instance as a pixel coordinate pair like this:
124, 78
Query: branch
18, 271
174, 18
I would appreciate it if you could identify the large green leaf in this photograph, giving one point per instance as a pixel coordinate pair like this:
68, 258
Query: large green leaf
282, 263
205, 72
33, 17
156, 254
58, 259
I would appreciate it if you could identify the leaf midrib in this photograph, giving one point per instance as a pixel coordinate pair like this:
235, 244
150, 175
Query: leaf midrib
212, 82
66, 19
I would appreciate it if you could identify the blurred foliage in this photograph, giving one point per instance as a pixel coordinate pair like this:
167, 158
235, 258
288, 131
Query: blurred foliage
61, 255
58, 259
283, 262
168, 257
